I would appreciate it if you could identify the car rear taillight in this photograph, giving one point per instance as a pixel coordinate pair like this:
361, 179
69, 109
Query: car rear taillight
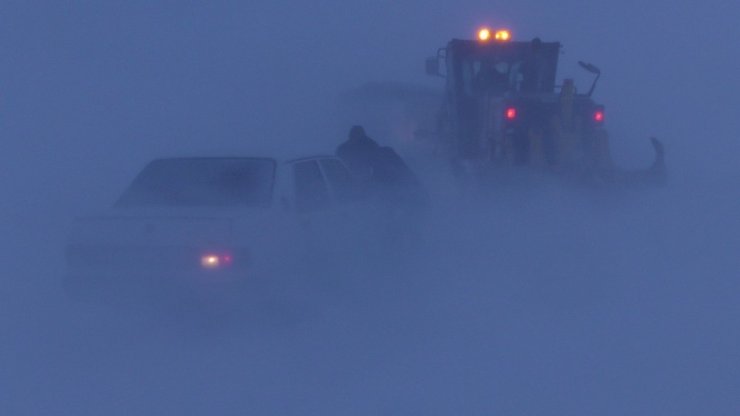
510, 113
212, 260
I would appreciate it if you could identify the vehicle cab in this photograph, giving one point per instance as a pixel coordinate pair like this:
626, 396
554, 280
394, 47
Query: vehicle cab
502, 104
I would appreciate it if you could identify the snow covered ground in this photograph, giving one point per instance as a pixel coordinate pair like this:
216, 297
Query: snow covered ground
551, 302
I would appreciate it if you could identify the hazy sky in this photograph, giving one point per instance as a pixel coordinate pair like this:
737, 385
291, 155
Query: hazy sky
107, 76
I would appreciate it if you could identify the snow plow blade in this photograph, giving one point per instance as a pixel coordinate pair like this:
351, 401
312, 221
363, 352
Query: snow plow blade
655, 175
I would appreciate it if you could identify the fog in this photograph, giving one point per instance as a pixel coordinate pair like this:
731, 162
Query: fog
546, 300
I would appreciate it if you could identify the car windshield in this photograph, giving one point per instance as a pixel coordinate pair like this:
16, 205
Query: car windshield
202, 182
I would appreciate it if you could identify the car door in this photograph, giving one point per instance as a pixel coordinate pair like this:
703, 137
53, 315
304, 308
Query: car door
339, 180
359, 221
314, 207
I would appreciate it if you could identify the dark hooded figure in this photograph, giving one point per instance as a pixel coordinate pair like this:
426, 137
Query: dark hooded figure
384, 179
359, 153
380, 171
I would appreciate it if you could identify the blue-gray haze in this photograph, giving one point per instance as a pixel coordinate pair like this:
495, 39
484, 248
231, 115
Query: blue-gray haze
543, 303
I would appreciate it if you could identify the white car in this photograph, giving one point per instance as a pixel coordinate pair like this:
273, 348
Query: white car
207, 224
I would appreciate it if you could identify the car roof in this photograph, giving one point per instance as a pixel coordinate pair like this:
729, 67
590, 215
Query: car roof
314, 157
215, 157
265, 158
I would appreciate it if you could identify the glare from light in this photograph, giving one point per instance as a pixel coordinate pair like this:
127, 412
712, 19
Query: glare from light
599, 116
511, 113
502, 35
210, 261
484, 34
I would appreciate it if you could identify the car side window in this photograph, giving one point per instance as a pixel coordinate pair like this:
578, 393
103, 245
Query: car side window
310, 189
339, 179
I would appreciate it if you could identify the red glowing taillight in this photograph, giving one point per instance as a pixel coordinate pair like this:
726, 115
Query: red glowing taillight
510, 113
215, 260
599, 116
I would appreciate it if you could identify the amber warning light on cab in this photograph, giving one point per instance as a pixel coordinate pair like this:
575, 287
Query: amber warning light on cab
485, 34
503, 35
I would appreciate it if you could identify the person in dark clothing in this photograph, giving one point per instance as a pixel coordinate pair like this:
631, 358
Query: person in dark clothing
358, 153
380, 171
397, 181
384, 180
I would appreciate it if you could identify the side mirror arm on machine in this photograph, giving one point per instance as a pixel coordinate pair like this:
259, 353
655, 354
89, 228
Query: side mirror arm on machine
594, 70
432, 64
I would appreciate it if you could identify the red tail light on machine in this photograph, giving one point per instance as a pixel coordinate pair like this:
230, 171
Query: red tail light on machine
510, 113
599, 115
